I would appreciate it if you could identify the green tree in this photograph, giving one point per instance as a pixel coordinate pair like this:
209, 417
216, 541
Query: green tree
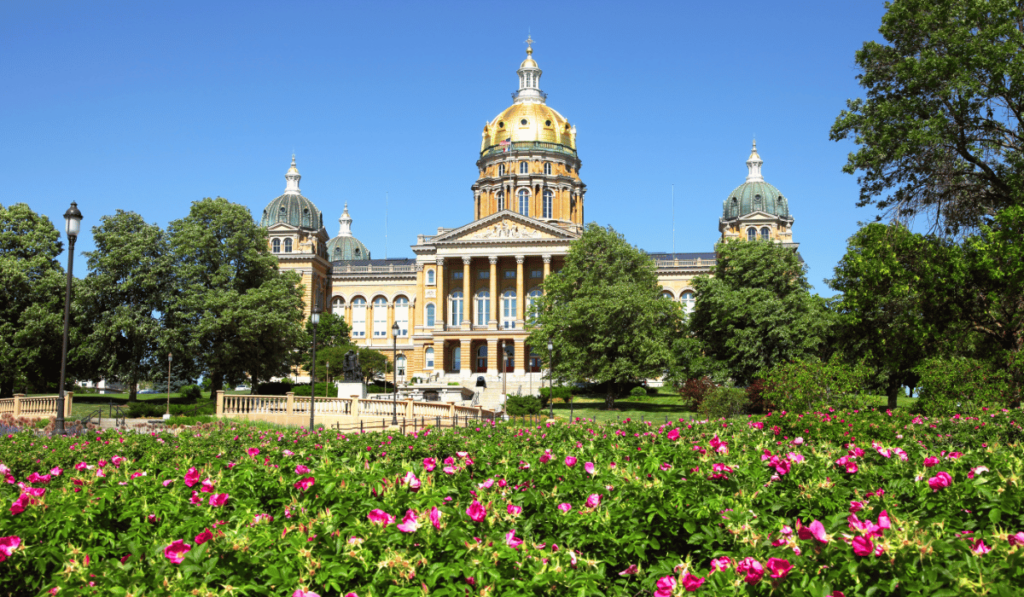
335, 355
119, 298
604, 314
230, 308
756, 310
891, 314
940, 129
32, 284
373, 363
332, 331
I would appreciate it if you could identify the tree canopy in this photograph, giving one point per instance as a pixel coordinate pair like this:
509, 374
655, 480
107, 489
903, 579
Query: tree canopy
604, 314
755, 311
939, 132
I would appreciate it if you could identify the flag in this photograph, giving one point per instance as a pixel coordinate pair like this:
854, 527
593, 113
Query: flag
506, 144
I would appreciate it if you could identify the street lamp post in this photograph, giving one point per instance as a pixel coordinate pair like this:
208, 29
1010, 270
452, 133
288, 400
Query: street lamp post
72, 223
169, 357
551, 388
327, 388
394, 372
315, 317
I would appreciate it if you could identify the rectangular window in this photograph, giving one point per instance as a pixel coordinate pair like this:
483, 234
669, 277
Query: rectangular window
510, 275
380, 321
536, 273
402, 318
456, 275
484, 275
358, 321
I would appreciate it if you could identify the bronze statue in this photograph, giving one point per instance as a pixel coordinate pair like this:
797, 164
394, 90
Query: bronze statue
351, 369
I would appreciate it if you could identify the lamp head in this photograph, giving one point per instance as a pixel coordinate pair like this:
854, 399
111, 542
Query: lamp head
169, 357
395, 328
315, 317
551, 345
72, 220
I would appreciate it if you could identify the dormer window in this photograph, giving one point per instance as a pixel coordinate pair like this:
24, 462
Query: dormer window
501, 200
276, 245
501, 169
357, 253
287, 245
524, 122
337, 254
524, 168
765, 232
757, 203
547, 168
751, 233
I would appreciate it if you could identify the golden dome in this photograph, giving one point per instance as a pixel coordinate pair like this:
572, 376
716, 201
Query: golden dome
529, 62
529, 122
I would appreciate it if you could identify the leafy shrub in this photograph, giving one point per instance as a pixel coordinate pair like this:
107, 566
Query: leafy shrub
273, 388
191, 393
638, 393
321, 388
959, 385
755, 396
695, 390
804, 385
724, 402
516, 404
379, 389
157, 408
563, 393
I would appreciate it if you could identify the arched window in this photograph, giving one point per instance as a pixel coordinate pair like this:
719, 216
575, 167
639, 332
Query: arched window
456, 307
483, 307
481, 358
305, 218
688, 301
524, 168
287, 245
751, 233
337, 254
531, 300
734, 211
548, 203
534, 361
510, 357
400, 365
764, 233
501, 169
430, 277
430, 315
547, 168
668, 295
359, 317
508, 309
428, 358
456, 359
358, 254
501, 200
402, 316
380, 317
338, 306
524, 202
276, 244
757, 203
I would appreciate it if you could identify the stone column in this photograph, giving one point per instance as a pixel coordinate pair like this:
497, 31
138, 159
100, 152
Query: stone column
520, 299
547, 267
391, 320
520, 357
439, 309
492, 323
492, 357
467, 311
439, 357
418, 303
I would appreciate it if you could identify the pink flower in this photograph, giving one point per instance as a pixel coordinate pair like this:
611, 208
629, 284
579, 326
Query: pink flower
486, 484
8, 545
449, 470
751, 568
570, 461
218, 499
203, 537
798, 441
851, 467
206, 486
19, 504
720, 564
175, 552
976, 470
252, 452
37, 478
564, 507
863, 546
301, 593
167, 482
81, 466
429, 464
930, 461
883, 520
589, 467
940, 480
691, 583
673, 435
476, 511
778, 567
979, 548
409, 523
515, 510
665, 586
632, 569
191, 477
1017, 539
462, 454
814, 530
380, 517
511, 540
305, 483
856, 507
116, 460
545, 457
411, 480
301, 469
594, 500
435, 518
195, 499
665, 466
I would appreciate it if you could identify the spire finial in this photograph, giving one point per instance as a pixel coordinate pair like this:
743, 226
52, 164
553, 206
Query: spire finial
754, 165
529, 44
293, 177
345, 222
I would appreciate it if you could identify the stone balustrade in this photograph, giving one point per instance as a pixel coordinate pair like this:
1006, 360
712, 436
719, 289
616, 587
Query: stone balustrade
35, 407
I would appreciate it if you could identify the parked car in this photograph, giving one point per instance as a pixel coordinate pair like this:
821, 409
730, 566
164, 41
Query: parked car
148, 391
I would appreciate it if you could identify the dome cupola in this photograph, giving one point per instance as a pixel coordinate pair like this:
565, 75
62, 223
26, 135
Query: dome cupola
291, 207
346, 247
755, 195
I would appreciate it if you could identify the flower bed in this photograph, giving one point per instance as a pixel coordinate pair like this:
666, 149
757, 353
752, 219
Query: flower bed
821, 505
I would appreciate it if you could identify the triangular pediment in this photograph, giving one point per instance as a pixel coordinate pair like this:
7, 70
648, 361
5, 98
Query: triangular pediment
760, 216
502, 226
283, 227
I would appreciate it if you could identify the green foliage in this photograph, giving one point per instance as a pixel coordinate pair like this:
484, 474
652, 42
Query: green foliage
374, 364
274, 388
695, 390
187, 421
191, 393
638, 393
563, 393
938, 130
723, 401
157, 408
756, 310
32, 286
961, 386
322, 390
332, 342
231, 310
335, 355
517, 405
808, 384
604, 314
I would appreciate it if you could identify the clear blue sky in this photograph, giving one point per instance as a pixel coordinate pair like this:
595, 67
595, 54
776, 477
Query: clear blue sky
148, 106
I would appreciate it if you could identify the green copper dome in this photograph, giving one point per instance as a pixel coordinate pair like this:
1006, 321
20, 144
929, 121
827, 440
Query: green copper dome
346, 248
755, 196
292, 208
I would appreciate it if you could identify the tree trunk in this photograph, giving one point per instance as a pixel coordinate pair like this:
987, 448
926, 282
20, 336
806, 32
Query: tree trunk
6, 388
892, 392
609, 399
216, 383
133, 391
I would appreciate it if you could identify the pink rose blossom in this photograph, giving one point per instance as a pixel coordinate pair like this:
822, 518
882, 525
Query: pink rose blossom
751, 568
976, 470
191, 477
218, 499
203, 537
8, 545
856, 507
515, 510
570, 461
589, 468
779, 568
429, 464
476, 512
720, 564
511, 540
409, 523
673, 435
883, 520
301, 593
930, 461
380, 517
851, 467
632, 569
195, 499
862, 546
206, 486
252, 452
175, 552
564, 507
1017, 539
449, 470
301, 469
305, 483
979, 548
435, 518
410, 480
940, 480
486, 484
815, 530
665, 586
691, 583
594, 500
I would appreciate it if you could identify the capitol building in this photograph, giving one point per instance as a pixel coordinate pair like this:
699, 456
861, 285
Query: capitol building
465, 295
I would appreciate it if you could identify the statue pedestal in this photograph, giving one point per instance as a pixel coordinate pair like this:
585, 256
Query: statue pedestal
351, 389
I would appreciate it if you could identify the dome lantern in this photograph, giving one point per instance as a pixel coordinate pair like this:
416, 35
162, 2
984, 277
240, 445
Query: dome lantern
529, 79
291, 207
345, 222
346, 247
293, 177
754, 165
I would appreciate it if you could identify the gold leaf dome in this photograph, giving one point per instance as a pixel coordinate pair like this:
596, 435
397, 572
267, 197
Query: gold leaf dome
529, 122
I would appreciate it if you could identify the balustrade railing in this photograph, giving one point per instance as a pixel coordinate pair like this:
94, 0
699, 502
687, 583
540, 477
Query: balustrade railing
35, 406
280, 408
